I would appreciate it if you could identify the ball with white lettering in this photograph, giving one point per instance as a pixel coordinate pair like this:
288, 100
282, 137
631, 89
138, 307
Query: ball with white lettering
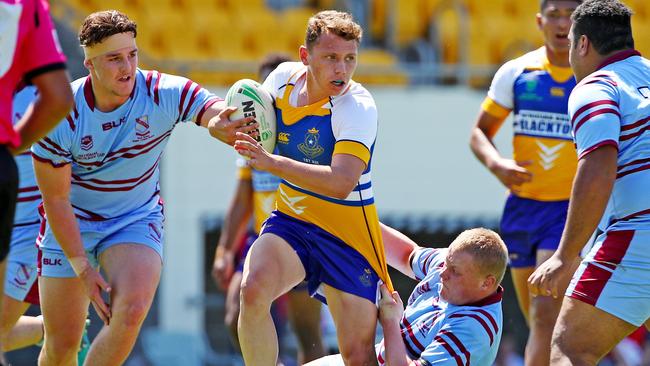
251, 99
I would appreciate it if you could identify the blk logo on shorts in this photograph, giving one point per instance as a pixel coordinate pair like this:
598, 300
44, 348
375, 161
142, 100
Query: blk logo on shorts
52, 262
365, 278
87, 142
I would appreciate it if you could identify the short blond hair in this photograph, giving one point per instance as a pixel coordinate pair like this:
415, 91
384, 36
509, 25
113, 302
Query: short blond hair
337, 22
487, 248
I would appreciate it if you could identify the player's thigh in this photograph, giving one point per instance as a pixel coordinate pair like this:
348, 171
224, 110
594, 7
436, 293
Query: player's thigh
11, 311
331, 360
133, 270
64, 305
584, 329
272, 267
355, 319
304, 312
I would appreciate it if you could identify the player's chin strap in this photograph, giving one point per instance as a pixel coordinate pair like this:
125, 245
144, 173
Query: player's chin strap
110, 44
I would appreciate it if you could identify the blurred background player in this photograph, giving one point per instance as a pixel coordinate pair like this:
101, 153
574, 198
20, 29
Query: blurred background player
453, 316
609, 294
255, 197
536, 88
325, 229
30, 52
98, 173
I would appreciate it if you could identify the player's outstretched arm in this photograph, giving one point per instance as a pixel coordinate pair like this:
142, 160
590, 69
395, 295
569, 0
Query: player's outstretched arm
216, 119
336, 180
399, 249
391, 310
54, 183
509, 172
592, 187
234, 228
50, 107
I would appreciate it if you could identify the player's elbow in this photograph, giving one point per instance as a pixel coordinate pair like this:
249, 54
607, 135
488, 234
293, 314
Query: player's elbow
342, 188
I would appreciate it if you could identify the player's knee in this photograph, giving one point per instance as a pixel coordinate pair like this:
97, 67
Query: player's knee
358, 353
132, 314
544, 313
254, 292
569, 348
62, 348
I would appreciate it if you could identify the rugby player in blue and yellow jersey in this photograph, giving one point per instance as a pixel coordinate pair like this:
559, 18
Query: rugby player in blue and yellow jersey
98, 173
535, 88
325, 228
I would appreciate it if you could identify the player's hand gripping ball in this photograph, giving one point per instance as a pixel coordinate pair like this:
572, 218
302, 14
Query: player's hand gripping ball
251, 99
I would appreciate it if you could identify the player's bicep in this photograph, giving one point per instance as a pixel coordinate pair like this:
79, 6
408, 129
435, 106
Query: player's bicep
489, 123
53, 181
347, 167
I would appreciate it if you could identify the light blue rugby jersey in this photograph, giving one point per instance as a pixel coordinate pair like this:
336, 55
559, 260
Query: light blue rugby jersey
115, 156
29, 196
438, 333
612, 107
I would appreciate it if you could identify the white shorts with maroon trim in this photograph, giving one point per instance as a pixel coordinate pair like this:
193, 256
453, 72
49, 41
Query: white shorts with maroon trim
615, 275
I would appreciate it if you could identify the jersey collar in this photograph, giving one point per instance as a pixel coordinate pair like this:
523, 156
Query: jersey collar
619, 56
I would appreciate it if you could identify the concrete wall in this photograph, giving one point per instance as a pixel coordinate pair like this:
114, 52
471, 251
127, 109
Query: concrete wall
422, 165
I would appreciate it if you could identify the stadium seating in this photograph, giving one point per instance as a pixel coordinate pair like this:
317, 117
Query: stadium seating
190, 33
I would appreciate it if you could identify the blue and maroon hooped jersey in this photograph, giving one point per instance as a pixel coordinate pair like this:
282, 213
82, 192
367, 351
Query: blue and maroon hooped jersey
438, 333
115, 155
537, 93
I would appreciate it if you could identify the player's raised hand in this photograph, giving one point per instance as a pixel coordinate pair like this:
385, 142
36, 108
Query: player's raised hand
512, 173
391, 307
551, 277
222, 128
248, 147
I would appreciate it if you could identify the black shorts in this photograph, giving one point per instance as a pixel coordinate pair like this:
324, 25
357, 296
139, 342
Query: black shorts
8, 195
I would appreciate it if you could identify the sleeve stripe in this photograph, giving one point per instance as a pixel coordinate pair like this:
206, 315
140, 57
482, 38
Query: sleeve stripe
594, 114
206, 106
633, 162
481, 321
70, 122
148, 82
44, 160
494, 109
458, 344
156, 97
409, 329
425, 264
635, 170
191, 101
354, 148
600, 144
450, 350
186, 89
61, 151
589, 106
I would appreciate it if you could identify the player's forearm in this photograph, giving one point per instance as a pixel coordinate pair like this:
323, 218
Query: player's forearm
592, 187
62, 221
235, 223
330, 181
398, 249
484, 149
395, 351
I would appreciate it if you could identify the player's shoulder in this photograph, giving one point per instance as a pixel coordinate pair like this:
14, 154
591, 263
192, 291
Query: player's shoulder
355, 99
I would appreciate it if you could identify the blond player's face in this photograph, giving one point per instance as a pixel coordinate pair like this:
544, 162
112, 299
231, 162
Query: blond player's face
554, 22
332, 61
460, 278
115, 71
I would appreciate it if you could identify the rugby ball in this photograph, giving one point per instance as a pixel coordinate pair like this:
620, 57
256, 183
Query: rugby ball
251, 99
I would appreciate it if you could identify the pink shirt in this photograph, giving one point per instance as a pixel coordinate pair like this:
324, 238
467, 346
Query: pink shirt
28, 48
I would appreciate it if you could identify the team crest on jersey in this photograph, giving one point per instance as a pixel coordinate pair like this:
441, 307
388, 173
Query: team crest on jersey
87, 142
310, 147
142, 128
